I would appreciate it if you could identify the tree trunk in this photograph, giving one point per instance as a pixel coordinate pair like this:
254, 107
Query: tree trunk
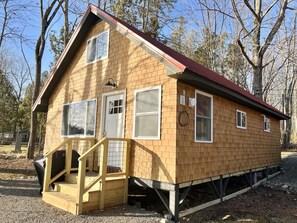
66, 23
33, 123
257, 81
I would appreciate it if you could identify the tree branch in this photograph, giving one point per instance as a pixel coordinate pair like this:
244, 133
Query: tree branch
275, 28
268, 9
242, 48
246, 2
247, 33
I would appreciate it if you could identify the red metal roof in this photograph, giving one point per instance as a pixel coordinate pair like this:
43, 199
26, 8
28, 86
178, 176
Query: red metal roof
183, 62
180, 62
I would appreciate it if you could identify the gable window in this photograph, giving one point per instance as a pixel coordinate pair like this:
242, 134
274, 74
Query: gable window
147, 113
241, 119
97, 47
79, 119
204, 117
266, 124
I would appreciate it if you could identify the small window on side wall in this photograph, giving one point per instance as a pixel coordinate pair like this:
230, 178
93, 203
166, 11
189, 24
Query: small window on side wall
204, 117
97, 47
241, 119
266, 124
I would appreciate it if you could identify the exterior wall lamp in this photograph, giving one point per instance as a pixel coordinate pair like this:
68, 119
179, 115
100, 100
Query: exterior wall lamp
110, 83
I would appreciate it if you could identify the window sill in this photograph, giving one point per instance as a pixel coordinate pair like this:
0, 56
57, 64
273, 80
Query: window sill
241, 127
208, 142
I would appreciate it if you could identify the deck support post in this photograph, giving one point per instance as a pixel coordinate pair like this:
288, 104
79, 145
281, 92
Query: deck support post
174, 203
255, 178
221, 188
251, 178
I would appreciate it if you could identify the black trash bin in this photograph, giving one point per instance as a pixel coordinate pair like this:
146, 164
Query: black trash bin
58, 164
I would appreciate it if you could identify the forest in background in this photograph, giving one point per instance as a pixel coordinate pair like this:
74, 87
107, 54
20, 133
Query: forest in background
250, 42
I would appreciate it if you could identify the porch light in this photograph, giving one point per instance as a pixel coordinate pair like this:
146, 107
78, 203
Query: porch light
111, 83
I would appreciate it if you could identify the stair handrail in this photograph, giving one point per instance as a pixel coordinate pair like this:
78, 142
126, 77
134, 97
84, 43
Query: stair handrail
102, 171
93, 148
48, 180
57, 148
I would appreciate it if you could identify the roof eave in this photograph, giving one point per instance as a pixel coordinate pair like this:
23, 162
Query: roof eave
209, 86
62, 63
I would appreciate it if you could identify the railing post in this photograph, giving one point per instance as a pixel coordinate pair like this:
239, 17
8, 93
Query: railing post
91, 160
102, 172
81, 185
126, 151
47, 173
68, 158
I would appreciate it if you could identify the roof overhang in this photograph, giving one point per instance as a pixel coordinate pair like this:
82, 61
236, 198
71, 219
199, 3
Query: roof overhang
88, 20
211, 87
92, 16
178, 66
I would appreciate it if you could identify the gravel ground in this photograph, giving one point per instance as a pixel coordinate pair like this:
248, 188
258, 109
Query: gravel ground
286, 181
20, 202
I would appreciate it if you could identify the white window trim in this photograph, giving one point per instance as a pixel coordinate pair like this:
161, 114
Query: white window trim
240, 127
80, 136
211, 116
159, 88
264, 119
103, 58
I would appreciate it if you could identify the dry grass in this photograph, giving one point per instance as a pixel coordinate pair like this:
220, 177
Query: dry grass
11, 148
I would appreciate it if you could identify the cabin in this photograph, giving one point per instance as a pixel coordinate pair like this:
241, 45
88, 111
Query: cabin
139, 112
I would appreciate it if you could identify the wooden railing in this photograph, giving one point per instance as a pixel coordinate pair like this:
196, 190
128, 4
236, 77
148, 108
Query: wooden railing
101, 177
68, 143
103, 146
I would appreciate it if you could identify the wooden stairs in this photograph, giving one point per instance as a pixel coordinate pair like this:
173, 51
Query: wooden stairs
96, 185
64, 196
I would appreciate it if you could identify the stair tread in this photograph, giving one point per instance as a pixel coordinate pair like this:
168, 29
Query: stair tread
73, 185
60, 195
64, 183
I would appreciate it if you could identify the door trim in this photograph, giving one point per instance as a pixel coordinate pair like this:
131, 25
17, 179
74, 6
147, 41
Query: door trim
103, 110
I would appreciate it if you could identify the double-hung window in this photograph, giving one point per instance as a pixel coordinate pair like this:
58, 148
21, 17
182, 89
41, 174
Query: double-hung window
79, 118
147, 113
204, 117
241, 119
266, 124
97, 47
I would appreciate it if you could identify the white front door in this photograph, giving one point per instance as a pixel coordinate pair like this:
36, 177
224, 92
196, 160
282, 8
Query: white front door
114, 128
114, 118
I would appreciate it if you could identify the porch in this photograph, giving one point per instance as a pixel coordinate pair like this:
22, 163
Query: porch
101, 179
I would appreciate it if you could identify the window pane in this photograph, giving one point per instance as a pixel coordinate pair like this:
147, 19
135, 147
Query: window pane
91, 118
77, 114
146, 126
203, 129
147, 101
243, 119
65, 120
203, 105
238, 118
102, 45
91, 50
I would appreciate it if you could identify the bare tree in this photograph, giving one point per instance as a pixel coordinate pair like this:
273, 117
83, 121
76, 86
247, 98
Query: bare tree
251, 38
290, 81
46, 15
5, 21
